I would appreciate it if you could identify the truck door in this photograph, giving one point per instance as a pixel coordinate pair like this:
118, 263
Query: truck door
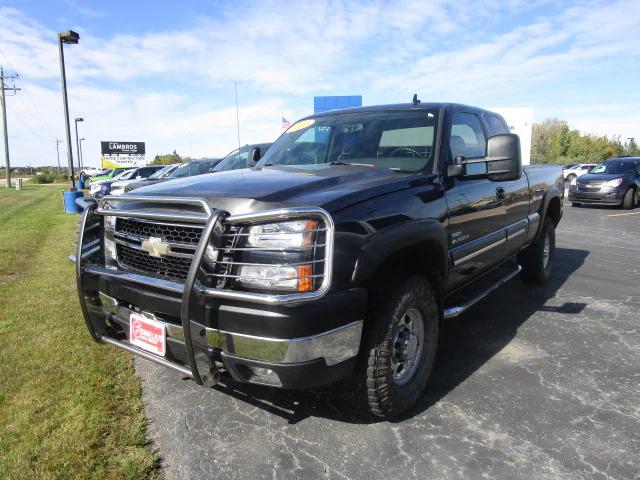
514, 194
476, 227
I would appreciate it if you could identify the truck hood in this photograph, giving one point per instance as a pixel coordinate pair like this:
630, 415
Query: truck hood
255, 189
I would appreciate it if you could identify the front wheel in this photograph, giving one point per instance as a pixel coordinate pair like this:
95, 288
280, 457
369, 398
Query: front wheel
399, 347
630, 199
537, 259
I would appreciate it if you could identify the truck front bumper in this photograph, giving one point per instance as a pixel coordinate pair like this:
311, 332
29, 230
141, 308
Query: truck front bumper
294, 346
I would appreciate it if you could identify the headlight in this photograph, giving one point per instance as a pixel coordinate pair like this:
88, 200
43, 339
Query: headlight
277, 277
94, 188
574, 181
613, 183
294, 234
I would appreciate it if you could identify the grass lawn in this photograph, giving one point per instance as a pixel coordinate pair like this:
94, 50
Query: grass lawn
69, 408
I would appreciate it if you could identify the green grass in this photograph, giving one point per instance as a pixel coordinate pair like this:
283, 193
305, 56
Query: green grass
69, 408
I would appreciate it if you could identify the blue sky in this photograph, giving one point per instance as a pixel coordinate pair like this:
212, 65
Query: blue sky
163, 72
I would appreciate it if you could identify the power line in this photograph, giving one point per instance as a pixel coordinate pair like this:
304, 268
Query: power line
3, 101
34, 111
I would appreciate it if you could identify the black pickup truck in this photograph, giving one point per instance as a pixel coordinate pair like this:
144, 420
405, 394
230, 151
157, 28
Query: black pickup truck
333, 261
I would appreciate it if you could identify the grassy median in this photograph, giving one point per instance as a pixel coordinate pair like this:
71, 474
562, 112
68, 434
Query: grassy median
69, 408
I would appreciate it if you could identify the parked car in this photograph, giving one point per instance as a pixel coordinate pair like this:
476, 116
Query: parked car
165, 172
189, 169
131, 174
242, 157
571, 173
95, 185
117, 187
335, 258
615, 181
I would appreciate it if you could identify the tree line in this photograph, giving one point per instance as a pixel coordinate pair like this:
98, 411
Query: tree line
169, 159
553, 141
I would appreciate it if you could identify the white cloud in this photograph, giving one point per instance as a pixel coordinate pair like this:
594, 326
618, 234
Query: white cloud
171, 86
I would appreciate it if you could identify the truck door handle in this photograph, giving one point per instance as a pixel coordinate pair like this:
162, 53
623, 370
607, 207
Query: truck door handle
500, 193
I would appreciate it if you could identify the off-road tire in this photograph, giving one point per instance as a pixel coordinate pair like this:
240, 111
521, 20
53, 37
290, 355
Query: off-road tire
630, 199
377, 391
532, 259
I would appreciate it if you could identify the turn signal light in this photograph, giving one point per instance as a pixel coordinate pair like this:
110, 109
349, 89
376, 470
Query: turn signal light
305, 279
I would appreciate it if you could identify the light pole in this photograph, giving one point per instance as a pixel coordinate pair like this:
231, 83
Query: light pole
81, 159
70, 38
76, 120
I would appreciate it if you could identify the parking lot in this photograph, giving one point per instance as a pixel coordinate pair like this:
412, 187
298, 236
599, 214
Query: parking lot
540, 382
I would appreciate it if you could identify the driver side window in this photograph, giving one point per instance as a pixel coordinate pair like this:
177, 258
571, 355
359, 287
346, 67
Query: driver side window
467, 137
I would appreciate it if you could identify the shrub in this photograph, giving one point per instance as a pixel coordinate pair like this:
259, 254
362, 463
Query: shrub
46, 178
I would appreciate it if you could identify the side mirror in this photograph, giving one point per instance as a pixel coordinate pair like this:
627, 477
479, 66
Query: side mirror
253, 157
502, 162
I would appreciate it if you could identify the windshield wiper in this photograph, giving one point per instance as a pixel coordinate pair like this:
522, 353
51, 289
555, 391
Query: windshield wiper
339, 162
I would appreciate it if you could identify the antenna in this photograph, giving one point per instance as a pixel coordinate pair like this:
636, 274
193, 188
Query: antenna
235, 84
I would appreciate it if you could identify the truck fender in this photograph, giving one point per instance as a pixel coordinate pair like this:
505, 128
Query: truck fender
390, 241
552, 193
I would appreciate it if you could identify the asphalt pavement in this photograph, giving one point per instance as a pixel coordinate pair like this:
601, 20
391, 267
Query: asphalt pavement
531, 383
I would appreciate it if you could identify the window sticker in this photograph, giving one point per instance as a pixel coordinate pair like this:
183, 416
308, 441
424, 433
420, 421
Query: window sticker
301, 125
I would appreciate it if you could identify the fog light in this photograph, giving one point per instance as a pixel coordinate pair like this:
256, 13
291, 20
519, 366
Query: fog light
264, 375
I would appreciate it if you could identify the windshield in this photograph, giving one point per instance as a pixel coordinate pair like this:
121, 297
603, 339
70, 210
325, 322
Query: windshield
614, 167
162, 171
127, 175
234, 160
397, 140
192, 168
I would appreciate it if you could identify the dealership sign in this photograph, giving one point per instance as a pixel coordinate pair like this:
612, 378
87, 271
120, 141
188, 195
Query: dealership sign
123, 154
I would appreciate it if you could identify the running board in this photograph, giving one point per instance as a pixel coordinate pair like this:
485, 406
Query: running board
453, 312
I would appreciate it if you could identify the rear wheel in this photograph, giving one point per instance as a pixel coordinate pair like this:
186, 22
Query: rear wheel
398, 349
537, 259
630, 199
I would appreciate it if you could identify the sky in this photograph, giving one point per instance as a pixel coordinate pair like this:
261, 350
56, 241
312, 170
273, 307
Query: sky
163, 72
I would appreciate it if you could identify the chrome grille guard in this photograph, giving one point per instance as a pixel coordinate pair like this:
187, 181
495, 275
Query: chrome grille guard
89, 256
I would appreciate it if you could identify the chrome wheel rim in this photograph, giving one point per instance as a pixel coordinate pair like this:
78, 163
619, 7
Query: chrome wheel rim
546, 251
408, 340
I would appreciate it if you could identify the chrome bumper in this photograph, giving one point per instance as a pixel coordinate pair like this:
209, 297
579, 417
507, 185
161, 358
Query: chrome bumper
334, 346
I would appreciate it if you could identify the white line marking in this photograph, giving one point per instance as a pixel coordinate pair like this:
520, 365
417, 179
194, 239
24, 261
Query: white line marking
623, 214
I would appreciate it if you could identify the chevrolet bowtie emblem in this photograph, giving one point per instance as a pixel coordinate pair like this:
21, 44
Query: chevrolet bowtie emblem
155, 247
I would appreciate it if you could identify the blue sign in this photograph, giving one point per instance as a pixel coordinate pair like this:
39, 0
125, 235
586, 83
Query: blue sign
322, 104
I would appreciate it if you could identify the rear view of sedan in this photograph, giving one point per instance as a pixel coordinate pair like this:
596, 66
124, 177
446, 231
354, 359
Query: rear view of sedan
614, 182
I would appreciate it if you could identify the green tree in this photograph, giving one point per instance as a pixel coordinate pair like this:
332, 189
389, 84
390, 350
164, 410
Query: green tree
554, 142
168, 159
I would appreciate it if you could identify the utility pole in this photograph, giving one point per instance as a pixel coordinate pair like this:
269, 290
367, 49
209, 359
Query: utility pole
4, 88
58, 142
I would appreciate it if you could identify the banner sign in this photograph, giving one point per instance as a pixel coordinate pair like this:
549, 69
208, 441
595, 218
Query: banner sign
122, 154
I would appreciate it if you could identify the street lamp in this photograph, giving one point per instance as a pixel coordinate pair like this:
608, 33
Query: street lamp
76, 120
80, 153
70, 38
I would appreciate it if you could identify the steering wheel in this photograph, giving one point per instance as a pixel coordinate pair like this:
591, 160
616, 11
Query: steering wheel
412, 151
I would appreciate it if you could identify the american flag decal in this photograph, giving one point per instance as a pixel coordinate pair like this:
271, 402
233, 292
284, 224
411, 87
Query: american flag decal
285, 123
